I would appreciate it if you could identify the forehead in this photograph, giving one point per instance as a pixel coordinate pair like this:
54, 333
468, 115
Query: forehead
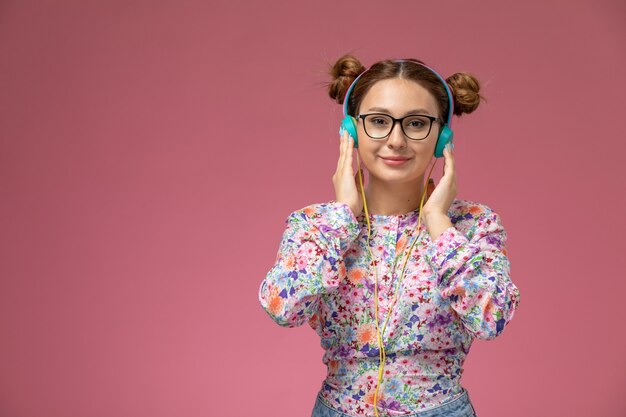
399, 96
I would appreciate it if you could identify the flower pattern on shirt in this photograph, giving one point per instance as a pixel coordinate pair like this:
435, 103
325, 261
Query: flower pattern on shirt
454, 289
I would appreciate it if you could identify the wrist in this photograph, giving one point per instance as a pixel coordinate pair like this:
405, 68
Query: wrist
433, 216
356, 210
436, 223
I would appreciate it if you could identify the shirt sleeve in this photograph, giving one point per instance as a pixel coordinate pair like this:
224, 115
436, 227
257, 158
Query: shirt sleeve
309, 262
474, 273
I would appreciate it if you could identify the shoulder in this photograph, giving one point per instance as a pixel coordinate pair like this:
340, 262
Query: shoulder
468, 215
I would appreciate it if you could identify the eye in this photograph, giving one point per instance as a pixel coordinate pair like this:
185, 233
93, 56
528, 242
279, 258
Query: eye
379, 121
416, 123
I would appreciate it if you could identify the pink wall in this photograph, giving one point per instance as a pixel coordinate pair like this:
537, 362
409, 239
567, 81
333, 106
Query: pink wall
150, 152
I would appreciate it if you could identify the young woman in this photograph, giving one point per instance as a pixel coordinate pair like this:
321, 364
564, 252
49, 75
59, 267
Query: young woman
396, 289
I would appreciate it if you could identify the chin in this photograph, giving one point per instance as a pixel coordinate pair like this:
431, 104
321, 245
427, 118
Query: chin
395, 177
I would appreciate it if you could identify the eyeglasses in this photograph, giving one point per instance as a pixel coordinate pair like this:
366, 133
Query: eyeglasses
414, 126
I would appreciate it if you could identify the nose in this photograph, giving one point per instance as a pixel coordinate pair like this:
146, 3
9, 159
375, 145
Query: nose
396, 139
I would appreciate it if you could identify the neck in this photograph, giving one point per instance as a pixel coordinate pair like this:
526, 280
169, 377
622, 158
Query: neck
391, 199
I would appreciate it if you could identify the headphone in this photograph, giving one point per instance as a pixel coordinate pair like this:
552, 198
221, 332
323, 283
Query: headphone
446, 135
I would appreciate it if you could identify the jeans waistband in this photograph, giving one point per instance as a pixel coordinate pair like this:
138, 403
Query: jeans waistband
459, 406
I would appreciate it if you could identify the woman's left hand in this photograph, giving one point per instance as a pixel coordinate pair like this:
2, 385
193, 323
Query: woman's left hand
440, 200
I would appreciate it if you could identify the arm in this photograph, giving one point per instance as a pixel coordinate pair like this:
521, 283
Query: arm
309, 262
474, 274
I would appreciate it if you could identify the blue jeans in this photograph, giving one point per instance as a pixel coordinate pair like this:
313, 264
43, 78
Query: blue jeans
458, 407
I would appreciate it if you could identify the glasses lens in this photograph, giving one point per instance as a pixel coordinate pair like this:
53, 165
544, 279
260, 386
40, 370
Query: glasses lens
416, 127
377, 126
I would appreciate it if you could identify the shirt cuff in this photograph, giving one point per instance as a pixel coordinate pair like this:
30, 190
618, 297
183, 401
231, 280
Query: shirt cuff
448, 253
335, 221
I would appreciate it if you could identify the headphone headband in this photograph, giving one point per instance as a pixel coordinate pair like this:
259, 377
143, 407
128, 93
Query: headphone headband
443, 81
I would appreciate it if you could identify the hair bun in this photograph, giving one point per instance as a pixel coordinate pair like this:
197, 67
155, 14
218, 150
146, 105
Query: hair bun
343, 73
465, 88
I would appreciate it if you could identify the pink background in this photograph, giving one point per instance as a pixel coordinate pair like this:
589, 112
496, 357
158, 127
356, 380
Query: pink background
152, 150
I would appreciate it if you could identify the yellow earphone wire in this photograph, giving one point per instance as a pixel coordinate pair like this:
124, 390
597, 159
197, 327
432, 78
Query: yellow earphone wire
381, 352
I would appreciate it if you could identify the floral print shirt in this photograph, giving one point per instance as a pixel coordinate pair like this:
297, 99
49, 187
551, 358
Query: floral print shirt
454, 289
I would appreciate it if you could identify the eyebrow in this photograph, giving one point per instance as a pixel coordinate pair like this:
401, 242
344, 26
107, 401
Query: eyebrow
414, 111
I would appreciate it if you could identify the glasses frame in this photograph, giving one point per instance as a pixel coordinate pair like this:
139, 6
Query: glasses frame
400, 120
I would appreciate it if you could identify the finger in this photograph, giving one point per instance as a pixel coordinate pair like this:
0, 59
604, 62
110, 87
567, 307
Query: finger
342, 145
349, 153
449, 160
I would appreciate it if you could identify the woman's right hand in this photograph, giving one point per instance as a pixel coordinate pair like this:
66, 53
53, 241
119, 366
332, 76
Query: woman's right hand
346, 182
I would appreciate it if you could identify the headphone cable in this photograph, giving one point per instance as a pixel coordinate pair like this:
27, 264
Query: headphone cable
381, 352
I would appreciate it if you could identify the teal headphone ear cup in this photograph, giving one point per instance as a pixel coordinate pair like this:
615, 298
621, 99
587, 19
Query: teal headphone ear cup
445, 136
349, 124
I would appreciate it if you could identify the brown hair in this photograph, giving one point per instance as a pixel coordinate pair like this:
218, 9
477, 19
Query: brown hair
464, 86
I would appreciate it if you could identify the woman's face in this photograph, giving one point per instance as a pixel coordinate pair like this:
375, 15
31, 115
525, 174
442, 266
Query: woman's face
397, 97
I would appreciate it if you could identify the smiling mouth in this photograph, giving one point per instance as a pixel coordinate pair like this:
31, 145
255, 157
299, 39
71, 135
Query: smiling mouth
394, 161
395, 158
